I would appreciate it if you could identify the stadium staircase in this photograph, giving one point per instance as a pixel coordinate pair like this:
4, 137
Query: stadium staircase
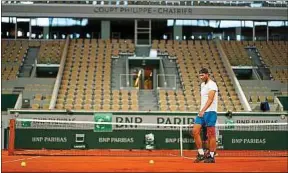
29, 62
170, 68
118, 67
147, 100
263, 71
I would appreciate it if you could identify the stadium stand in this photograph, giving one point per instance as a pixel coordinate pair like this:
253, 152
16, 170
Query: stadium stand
236, 53
50, 52
90, 89
188, 59
79, 90
88, 81
274, 55
13, 54
39, 95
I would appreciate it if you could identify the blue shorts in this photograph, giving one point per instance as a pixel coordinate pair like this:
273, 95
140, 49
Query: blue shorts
209, 119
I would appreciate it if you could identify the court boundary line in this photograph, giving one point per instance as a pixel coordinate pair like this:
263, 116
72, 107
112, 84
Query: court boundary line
107, 160
29, 158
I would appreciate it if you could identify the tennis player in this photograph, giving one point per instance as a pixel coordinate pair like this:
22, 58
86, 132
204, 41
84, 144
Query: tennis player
206, 117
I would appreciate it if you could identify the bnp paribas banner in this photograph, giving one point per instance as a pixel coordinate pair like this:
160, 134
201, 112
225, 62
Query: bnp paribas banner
99, 136
157, 120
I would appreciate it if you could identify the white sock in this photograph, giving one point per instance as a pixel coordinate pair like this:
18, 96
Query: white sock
212, 154
200, 151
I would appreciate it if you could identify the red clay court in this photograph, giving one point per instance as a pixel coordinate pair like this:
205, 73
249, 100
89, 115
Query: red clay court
105, 161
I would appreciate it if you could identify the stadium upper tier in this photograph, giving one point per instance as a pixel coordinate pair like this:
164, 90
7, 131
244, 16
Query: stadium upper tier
273, 55
13, 53
235, 51
162, 3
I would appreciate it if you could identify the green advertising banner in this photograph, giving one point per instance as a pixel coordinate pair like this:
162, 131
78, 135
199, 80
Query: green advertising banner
67, 139
144, 139
253, 140
103, 117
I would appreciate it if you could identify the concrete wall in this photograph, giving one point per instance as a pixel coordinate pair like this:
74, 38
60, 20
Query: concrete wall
147, 12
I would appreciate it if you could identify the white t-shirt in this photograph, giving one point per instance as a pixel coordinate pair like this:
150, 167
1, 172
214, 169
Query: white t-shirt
205, 88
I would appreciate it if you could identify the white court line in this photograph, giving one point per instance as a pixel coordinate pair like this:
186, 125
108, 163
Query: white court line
190, 158
185, 157
29, 158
